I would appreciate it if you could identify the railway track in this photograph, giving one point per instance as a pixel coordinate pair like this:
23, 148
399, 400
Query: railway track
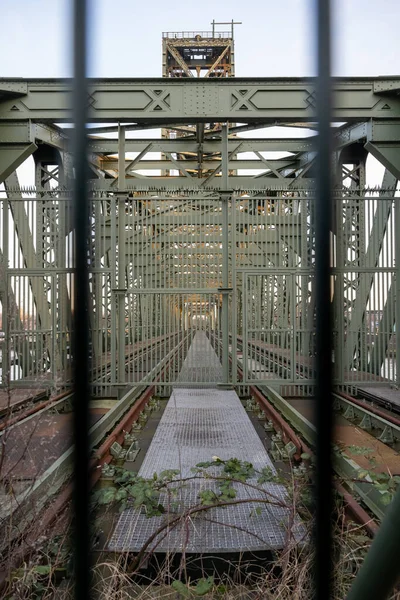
45, 496
381, 424
145, 354
367, 440
110, 433
291, 430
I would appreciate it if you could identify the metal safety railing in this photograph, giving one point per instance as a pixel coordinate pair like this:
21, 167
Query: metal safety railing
380, 568
189, 35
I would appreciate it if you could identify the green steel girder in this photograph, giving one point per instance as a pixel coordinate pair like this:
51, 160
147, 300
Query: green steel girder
387, 85
371, 259
260, 236
202, 220
29, 254
12, 157
182, 145
383, 130
199, 100
112, 165
388, 155
20, 139
350, 133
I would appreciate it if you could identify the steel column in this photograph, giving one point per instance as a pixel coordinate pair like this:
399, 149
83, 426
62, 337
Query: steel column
225, 254
397, 296
121, 255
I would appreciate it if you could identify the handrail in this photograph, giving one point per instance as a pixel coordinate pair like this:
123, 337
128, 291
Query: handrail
192, 34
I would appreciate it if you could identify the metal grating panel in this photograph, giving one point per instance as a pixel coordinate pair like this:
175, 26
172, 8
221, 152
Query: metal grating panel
231, 529
196, 426
201, 365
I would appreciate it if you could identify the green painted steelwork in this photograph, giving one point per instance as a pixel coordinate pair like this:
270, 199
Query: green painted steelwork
198, 228
197, 100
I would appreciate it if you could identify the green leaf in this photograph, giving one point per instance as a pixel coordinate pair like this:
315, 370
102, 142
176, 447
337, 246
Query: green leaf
383, 487
121, 494
169, 473
126, 477
221, 589
204, 586
181, 588
305, 456
208, 497
108, 496
386, 499
267, 475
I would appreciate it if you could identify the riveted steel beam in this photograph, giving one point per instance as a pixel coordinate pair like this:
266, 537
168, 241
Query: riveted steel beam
388, 155
112, 164
371, 258
183, 145
199, 100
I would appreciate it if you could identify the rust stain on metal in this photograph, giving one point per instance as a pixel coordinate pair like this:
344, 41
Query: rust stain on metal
347, 435
15, 397
32, 447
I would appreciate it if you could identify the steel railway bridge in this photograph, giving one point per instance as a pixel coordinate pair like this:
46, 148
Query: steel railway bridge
201, 257
197, 226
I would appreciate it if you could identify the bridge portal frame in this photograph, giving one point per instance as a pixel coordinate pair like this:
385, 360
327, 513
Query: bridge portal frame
36, 235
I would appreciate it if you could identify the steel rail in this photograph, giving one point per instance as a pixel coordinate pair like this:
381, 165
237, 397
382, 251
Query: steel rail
379, 424
356, 511
370, 407
101, 455
22, 416
59, 472
17, 406
371, 419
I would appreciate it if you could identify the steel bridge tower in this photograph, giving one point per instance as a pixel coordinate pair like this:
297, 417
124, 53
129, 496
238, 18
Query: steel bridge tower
198, 54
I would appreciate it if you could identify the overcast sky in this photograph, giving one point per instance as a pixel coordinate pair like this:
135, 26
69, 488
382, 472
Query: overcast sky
276, 39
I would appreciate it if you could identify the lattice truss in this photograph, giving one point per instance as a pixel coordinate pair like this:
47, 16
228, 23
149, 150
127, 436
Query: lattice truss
188, 55
183, 215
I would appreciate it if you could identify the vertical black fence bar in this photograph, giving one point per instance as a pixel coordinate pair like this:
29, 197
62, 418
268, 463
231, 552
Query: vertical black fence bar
324, 337
81, 533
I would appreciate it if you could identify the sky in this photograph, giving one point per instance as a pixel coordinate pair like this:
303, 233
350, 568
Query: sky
276, 39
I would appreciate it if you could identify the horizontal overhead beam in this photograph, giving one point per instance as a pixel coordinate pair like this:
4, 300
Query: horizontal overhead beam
181, 145
112, 165
199, 100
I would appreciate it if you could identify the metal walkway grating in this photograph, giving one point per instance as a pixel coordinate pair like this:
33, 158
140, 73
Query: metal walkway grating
196, 425
201, 365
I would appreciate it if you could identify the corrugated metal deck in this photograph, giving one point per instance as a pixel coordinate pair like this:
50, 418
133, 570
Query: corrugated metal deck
198, 424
